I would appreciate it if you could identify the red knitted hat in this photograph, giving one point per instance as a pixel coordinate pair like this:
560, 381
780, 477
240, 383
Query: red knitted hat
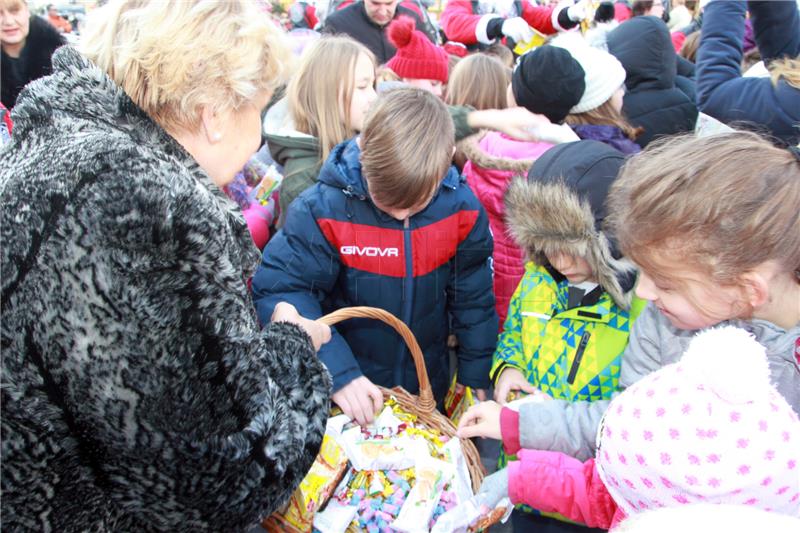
416, 57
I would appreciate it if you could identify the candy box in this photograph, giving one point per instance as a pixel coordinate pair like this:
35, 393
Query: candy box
315, 489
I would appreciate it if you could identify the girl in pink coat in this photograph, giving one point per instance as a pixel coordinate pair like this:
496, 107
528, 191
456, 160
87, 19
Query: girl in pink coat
494, 158
709, 429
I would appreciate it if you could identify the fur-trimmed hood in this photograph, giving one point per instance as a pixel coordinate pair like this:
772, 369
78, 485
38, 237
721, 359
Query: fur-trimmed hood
473, 151
561, 208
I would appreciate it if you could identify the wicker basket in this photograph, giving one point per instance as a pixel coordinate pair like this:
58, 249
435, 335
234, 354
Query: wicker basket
423, 406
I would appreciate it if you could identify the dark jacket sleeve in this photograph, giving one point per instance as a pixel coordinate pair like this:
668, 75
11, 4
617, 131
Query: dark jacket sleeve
299, 266
684, 67
471, 303
776, 27
719, 55
721, 90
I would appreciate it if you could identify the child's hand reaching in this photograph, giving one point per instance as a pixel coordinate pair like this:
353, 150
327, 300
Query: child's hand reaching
360, 400
482, 420
493, 489
511, 379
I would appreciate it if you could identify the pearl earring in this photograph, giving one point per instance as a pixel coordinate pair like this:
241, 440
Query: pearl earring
217, 137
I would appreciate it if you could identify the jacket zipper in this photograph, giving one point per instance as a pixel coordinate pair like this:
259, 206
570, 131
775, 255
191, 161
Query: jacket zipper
576, 362
402, 361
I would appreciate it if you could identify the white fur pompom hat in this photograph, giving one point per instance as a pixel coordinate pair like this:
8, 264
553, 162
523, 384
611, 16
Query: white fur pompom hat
708, 429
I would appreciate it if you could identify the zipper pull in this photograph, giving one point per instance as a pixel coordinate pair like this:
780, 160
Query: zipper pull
576, 363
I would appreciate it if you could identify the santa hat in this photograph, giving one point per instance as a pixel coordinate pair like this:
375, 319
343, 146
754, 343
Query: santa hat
603, 73
417, 57
708, 429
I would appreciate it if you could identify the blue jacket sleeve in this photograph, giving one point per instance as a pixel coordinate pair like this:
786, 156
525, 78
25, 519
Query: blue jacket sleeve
776, 28
471, 304
299, 266
719, 55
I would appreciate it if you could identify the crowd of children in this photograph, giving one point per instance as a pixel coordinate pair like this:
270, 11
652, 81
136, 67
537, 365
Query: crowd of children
563, 222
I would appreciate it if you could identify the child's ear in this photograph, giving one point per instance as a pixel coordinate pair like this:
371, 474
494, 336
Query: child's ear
755, 285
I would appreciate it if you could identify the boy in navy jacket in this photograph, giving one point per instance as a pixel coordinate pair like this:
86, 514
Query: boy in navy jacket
389, 224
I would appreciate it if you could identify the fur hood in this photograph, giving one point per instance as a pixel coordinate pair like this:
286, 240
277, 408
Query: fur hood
471, 148
561, 207
139, 392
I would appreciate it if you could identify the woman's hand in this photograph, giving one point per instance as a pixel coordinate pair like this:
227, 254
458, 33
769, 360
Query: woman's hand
360, 400
320, 333
482, 420
511, 379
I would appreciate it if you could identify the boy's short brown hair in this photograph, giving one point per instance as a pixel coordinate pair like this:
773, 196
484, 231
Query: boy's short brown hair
406, 147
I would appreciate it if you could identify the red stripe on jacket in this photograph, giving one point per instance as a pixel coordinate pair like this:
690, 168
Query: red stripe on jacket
382, 250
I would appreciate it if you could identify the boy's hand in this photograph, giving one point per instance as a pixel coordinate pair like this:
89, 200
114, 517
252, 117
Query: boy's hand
320, 333
511, 379
480, 394
360, 400
482, 420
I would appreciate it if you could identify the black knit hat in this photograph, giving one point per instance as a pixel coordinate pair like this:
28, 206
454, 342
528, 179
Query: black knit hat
548, 81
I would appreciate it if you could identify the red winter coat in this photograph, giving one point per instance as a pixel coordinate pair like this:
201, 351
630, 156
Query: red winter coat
461, 21
493, 161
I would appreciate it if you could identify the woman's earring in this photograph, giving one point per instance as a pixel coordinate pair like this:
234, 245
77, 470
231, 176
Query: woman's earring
216, 137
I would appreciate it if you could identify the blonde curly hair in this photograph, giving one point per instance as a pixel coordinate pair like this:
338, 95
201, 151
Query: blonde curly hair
175, 58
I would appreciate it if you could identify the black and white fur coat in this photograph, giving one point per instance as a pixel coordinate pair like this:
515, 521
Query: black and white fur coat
138, 391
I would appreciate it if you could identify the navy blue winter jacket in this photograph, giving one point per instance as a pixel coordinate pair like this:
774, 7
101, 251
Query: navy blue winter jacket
337, 249
721, 90
653, 100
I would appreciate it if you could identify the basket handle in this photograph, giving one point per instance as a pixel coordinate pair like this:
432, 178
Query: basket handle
426, 402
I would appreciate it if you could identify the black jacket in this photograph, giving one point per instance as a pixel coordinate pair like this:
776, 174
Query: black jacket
653, 99
353, 21
33, 62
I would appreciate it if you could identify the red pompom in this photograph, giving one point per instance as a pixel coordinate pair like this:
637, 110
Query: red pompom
400, 31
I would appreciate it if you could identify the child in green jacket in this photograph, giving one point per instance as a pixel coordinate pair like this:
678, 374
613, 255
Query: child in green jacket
570, 317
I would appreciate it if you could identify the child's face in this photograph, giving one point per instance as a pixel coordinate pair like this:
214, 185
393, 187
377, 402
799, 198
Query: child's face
679, 300
576, 269
363, 92
434, 86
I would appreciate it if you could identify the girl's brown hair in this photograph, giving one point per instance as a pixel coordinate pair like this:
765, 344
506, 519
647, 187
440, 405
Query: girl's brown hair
606, 114
320, 92
406, 147
479, 81
723, 204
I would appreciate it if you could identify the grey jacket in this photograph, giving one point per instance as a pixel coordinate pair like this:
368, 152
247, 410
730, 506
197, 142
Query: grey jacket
571, 428
138, 391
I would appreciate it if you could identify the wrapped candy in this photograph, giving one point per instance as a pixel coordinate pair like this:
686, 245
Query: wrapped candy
317, 486
431, 477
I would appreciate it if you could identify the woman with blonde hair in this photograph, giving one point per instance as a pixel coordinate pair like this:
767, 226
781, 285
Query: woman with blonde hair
139, 393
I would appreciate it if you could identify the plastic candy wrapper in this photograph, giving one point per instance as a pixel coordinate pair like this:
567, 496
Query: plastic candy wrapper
457, 403
431, 477
472, 515
537, 40
317, 486
381, 453
335, 517
517, 399
460, 485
